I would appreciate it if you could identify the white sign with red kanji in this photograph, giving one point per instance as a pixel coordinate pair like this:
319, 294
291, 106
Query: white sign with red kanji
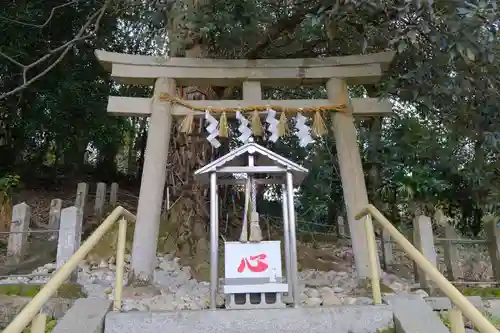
253, 260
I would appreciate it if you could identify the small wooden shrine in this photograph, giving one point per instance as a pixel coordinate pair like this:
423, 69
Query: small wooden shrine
253, 266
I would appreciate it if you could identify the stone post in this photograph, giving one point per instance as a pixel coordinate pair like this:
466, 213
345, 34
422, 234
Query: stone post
55, 214
81, 196
341, 227
18, 239
387, 249
152, 183
351, 173
451, 257
493, 233
423, 239
113, 194
100, 200
70, 236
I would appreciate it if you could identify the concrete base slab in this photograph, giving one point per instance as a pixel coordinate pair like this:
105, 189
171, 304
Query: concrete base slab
342, 319
493, 307
254, 301
444, 303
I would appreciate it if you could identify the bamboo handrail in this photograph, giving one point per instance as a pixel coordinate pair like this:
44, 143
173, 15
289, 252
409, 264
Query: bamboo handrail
460, 301
30, 311
372, 260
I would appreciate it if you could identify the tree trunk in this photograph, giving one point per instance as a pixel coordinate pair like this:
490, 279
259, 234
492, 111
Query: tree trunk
186, 227
141, 146
188, 218
374, 145
374, 177
131, 152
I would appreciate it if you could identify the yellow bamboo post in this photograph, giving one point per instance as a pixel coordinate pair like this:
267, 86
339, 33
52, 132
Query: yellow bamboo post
372, 256
456, 320
120, 264
39, 323
456, 297
62, 274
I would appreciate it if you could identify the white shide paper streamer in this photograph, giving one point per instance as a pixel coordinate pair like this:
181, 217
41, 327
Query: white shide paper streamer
303, 131
212, 129
273, 125
245, 131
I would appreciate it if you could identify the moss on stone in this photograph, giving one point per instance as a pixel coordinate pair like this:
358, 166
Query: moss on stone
49, 326
25, 290
71, 290
494, 320
387, 330
68, 290
443, 315
482, 292
364, 288
385, 288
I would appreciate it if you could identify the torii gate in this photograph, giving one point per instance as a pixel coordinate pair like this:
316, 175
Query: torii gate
168, 74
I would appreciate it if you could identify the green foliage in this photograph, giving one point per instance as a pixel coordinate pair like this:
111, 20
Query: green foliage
58, 118
7, 184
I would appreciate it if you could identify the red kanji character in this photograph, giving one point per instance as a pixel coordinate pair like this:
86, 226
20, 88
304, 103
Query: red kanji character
258, 267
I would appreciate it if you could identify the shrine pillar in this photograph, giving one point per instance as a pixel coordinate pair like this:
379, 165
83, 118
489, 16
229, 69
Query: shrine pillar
152, 183
351, 173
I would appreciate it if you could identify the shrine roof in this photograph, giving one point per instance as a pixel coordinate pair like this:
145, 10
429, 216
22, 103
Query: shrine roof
263, 157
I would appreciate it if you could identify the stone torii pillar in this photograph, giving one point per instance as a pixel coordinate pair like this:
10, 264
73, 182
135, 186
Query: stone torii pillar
351, 173
152, 183
336, 72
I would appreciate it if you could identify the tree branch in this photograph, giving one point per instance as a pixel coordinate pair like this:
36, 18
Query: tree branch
285, 24
15, 62
307, 49
94, 19
40, 26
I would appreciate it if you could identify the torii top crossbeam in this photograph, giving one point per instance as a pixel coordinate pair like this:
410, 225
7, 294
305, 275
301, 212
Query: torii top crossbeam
138, 69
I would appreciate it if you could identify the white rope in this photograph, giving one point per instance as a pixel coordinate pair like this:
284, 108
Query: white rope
254, 195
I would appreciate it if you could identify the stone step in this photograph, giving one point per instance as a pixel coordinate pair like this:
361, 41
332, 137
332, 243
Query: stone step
413, 315
341, 319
